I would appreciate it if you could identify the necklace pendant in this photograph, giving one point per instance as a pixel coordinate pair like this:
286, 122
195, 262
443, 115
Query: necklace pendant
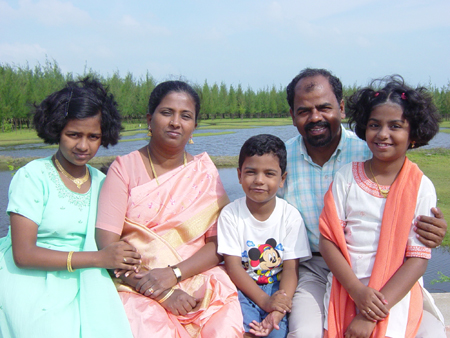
79, 182
384, 193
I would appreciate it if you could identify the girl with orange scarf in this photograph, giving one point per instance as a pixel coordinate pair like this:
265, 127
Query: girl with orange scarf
367, 237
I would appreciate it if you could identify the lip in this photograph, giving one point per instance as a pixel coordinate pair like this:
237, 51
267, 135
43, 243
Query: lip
382, 145
317, 130
258, 191
172, 133
82, 156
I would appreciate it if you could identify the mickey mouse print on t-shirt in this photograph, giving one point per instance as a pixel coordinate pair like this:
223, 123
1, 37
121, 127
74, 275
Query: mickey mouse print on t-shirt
266, 261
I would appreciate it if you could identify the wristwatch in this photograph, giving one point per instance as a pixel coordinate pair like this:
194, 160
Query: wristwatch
176, 270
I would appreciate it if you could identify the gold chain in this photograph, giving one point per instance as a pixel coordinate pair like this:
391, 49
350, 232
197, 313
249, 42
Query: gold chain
383, 192
78, 181
153, 168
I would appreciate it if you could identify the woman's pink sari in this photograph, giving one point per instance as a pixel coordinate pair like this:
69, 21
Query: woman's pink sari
168, 223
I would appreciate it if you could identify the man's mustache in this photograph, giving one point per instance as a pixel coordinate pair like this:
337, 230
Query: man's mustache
312, 125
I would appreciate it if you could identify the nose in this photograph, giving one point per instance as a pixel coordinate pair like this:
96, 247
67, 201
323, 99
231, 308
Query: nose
259, 179
175, 121
383, 133
315, 115
82, 144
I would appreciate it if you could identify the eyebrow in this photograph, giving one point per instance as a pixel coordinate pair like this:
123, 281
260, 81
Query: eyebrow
390, 121
320, 106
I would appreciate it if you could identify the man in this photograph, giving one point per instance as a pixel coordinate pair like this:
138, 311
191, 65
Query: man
322, 148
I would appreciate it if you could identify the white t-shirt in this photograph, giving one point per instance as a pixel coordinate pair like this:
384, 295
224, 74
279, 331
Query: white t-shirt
262, 246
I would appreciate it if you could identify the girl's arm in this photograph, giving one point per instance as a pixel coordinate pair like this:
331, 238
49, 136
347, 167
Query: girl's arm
27, 255
363, 296
404, 279
247, 285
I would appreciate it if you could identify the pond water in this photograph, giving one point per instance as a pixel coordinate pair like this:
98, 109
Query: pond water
221, 145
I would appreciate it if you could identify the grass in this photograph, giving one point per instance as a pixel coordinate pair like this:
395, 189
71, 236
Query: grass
435, 163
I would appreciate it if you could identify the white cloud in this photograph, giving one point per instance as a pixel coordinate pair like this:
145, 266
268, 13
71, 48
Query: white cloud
46, 12
21, 52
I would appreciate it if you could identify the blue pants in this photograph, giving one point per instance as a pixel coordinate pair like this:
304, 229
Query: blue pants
251, 311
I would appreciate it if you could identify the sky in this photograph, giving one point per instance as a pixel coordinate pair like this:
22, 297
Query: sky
254, 43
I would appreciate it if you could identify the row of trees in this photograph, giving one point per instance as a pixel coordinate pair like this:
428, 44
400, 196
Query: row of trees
20, 87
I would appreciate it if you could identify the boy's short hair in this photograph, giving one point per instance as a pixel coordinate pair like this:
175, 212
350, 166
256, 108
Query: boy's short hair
264, 144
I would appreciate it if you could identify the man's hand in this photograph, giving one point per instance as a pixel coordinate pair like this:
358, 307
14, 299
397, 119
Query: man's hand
431, 230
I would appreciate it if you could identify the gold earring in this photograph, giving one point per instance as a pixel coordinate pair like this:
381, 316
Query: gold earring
149, 134
191, 141
413, 143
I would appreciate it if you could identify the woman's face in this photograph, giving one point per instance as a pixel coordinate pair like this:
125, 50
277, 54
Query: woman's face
79, 141
173, 120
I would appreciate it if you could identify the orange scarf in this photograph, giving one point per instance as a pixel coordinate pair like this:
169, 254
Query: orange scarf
395, 227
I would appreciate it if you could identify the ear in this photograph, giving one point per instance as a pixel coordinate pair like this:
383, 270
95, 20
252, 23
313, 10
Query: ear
342, 109
149, 118
283, 179
272, 242
239, 175
253, 254
292, 115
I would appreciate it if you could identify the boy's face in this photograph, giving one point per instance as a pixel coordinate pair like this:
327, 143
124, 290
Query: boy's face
260, 177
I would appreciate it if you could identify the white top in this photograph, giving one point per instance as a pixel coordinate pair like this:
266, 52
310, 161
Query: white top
360, 208
262, 245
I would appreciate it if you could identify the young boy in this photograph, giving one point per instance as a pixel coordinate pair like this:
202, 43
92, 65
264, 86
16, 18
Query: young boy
262, 238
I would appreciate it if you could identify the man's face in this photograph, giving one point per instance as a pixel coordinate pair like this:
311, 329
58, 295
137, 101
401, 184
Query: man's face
317, 114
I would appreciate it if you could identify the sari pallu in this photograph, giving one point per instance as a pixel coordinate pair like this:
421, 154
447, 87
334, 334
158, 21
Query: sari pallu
395, 226
168, 223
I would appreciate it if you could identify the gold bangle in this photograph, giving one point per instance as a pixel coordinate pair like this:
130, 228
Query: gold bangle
168, 294
69, 262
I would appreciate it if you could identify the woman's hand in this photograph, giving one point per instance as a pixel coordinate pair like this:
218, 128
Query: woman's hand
179, 303
360, 327
154, 282
119, 255
370, 302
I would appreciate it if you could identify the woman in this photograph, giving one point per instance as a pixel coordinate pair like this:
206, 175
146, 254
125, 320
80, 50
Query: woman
47, 288
166, 202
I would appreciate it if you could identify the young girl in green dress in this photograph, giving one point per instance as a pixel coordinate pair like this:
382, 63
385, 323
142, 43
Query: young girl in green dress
51, 275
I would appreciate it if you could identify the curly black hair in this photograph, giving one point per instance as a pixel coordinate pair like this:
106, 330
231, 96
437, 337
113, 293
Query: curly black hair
78, 100
164, 88
264, 144
417, 105
334, 81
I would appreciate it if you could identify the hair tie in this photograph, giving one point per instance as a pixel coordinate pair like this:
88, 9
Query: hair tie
403, 96
376, 94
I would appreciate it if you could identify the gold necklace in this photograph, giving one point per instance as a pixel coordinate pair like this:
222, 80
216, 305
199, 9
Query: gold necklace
383, 192
78, 181
153, 168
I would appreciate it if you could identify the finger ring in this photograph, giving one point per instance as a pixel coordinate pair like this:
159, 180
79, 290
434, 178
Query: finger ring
369, 311
124, 259
151, 291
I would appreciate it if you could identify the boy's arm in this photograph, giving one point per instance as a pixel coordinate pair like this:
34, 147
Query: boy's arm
247, 285
289, 277
363, 296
